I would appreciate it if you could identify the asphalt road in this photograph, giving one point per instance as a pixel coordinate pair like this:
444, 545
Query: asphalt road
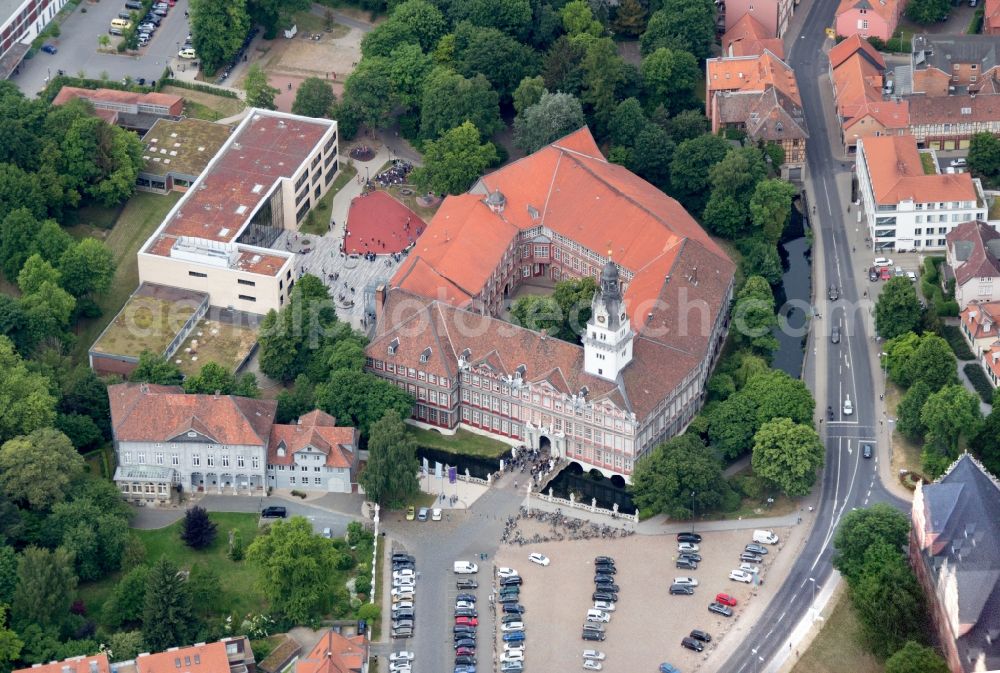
837, 370
77, 48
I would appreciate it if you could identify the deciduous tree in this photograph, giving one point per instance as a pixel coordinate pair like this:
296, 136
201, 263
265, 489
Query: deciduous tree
760, 259
156, 369
512, 17
732, 424
984, 157
682, 24
627, 122
167, 615
910, 421
295, 566
630, 19
754, 318
915, 658
664, 480
212, 378
501, 59
46, 588
528, 92
888, 600
218, 30
391, 475
275, 15
87, 268
779, 395
361, 399
787, 454
552, 117
862, 528
603, 73
454, 161
314, 98
689, 169
771, 208
128, 598
951, 414
927, 11
670, 77
25, 401
36, 469
10, 643
986, 442
578, 19
425, 20
651, 156
259, 92
8, 574
897, 310
450, 100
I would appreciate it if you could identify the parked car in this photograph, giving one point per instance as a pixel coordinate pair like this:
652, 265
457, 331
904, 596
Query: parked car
49, 48
605, 568
668, 668
690, 581
750, 568
604, 605
465, 659
510, 598
503, 573
598, 616
725, 599
689, 537
751, 558
514, 655
511, 581
423, 514
692, 644
402, 655
405, 572
539, 559
512, 626
465, 651
698, 634
691, 556
466, 612
470, 598
274, 513
605, 596
686, 564
873, 274
882, 261
755, 548
436, 514
687, 546
681, 590
465, 643
514, 609
467, 584
885, 273
464, 604
513, 637
509, 647
720, 609
596, 636
741, 576
468, 621
512, 666
510, 618
591, 665
959, 162
604, 559
411, 511
595, 655
607, 587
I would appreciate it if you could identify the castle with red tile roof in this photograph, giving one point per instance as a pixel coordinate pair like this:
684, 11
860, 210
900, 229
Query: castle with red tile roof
659, 317
167, 441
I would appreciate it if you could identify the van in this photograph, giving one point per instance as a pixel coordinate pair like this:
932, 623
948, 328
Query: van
124, 24
598, 616
765, 537
465, 568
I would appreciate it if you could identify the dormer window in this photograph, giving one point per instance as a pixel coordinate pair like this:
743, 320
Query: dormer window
393, 346
281, 452
425, 355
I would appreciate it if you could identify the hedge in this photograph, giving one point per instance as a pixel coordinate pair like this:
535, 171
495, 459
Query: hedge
953, 335
194, 86
931, 287
979, 381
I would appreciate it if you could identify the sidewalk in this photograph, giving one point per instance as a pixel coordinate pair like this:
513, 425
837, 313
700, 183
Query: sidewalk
661, 525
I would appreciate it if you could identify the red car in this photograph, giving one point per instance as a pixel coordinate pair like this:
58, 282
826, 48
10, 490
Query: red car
885, 273
465, 652
725, 599
467, 621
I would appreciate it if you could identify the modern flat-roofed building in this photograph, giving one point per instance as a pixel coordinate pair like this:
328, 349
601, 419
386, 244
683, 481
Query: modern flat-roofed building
907, 207
175, 152
268, 174
21, 21
128, 109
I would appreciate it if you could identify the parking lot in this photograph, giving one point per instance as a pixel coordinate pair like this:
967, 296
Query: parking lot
557, 598
78, 49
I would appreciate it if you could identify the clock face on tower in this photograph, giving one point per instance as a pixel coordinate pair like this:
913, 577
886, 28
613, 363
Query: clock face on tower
623, 317
600, 318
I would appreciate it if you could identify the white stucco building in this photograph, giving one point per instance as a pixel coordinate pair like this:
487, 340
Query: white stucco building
906, 208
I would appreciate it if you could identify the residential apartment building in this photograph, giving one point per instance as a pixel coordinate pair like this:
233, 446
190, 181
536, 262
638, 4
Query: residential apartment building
21, 21
167, 442
955, 552
991, 18
973, 260
990, 361
774, 15
269, 173
335, 653
864, 106
229, 655
948, 123
658, 319
906, 208
758, 94
868, 18
981, 326
749, 37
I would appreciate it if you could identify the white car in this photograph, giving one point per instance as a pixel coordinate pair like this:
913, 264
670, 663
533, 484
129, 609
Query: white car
883, 261
592, 665
595, 655
401, 667
686, 581
402, 605
403, 591
958, 162
513, 647
848, 407
465, 605
741, 576
404, 583
607, 606
400, 657
513, 655
598, 617
435, 514
686, 546
405, 572
751, 568
911, 276
504, 573
539, 559
512, 626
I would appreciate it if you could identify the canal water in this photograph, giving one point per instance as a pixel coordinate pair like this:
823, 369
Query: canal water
586, 487
793, 295
478, 467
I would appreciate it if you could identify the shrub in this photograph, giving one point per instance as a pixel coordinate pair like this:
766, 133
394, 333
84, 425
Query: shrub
236, 548
299, 494
198, 531
751, 486
194, 86
977, 377
953, 335
370, 612
363, 584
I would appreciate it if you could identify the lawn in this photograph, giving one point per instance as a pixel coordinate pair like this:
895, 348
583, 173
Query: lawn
927, 161
205, 105
138, 219
146, 324
905, 454
307, 22
211, 341
837, 648
462, 442
410, 201
317, 222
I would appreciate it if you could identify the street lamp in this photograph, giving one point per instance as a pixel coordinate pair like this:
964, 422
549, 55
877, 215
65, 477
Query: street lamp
885, 364
813, 580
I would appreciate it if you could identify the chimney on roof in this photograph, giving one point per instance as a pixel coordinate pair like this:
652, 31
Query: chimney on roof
217, 393
379, 301
543, 333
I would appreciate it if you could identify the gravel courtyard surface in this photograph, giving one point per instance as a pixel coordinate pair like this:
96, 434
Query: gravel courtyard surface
648, 623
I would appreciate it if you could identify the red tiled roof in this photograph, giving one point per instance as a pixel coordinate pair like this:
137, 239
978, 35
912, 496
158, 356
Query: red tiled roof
982, 320
991, 17
751, 73
318, 430
898, 175
927, 110
884, 8
74, 665
205, 658
853, 44
749, 37
68, 93
991, 358
980, 261
335, 653
142, 412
